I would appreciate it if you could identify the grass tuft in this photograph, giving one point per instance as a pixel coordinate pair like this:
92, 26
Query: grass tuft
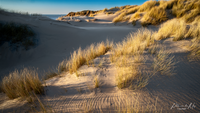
155, 16
163, 63
126, 76
50, 74
195, 50
127, 58
148, 5
172, 28
22, 83
77, 60
135, 43
96, 82
80, 57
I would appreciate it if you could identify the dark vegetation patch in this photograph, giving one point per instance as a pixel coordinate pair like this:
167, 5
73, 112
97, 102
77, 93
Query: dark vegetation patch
17, 35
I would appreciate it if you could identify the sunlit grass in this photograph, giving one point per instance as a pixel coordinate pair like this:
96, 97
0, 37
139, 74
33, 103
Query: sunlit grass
21, 83
135, 16
188, 10
172, 28
96, 82
155, 16
81, 57
127, 57
147, 5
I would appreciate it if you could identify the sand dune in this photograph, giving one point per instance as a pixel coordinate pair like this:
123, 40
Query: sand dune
56, 40
69, 93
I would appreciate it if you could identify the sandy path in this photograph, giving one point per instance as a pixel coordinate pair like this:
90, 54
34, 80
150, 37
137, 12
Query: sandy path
96, 99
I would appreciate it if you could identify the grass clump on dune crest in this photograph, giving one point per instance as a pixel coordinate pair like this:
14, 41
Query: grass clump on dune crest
172, 28
77, 60
120, 18
135, 43
132, 10
155, 16
126, 56
178, 29
167, 4
124, 13
148, 5
188, 10
156, 11
194, 30
22, 83
95, 51
135, 17
80, 57
192, 15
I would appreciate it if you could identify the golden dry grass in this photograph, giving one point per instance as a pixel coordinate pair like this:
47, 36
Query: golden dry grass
50, 74
192, 15
147, 5
135, 43
138, 58
80, 57
21, 83
77, 59
163, 63
105, 9
153, 49
96, 82
195, 49
126, 76
132, 10
155, 16
178, 29
167, 4
172, 28
63, 66
194, 30
119, 18
135, 17
188, 9
156, 11
127, 58
123, 13
92, 15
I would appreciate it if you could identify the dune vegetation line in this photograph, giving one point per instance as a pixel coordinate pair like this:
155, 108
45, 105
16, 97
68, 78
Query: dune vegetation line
178, 19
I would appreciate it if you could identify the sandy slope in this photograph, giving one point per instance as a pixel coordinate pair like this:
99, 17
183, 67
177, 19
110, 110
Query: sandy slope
68, 93
56, 40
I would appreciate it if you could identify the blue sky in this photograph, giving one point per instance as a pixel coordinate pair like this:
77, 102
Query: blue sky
63, 6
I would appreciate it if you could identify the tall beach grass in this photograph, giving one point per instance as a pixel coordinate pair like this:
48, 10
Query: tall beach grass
22, 83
